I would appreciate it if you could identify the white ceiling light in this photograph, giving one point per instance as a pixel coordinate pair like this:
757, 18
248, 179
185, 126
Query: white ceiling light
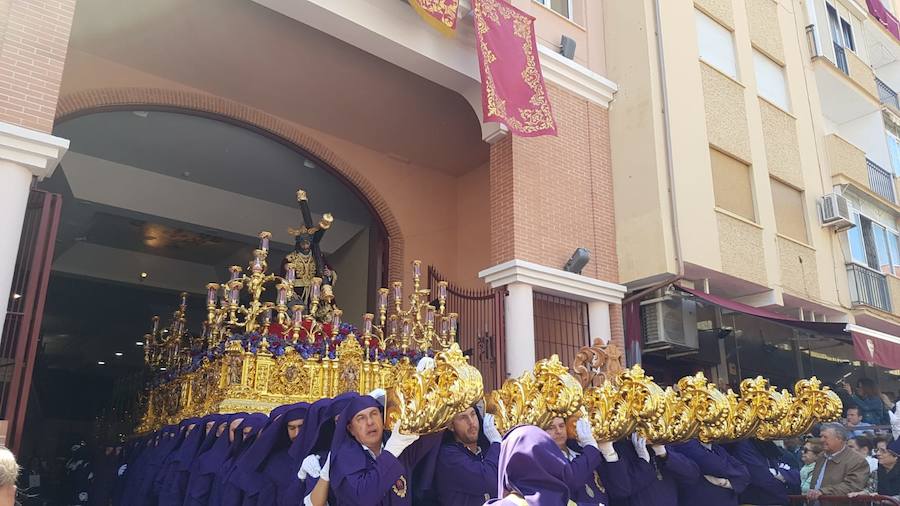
119, 353
100, 362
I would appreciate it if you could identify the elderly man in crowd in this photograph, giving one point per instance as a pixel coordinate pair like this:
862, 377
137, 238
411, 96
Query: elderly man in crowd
839, 470
9, 473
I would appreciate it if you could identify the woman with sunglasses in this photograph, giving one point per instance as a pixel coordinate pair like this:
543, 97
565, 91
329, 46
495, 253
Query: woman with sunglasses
888, 478
812, 448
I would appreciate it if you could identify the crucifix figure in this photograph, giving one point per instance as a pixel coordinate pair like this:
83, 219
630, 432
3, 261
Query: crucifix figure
307, 259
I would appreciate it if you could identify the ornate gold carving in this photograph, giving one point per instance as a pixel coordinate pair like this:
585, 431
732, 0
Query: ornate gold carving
536, 398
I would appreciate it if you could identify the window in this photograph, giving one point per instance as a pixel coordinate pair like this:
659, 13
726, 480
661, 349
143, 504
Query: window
731, 185
894, 150
562, 7
770, 80
841, 29
874, 245
790, 219
847, 31
716, 44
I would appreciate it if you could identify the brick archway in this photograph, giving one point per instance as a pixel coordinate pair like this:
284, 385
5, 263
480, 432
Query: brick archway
91, 101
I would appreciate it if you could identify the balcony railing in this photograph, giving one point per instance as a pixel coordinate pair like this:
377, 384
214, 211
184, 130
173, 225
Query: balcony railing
881, 181
868, 288
887, 96
840, 58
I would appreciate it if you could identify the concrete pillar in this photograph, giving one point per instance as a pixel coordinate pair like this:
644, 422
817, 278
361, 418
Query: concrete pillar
598, 319
519, 329
24, 154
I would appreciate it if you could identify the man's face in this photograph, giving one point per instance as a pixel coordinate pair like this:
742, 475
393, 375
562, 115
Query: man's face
464, 427
221, 429
233, 427
367, 427
831, 441
557, 431
293, 428
880, 446
209, 426
304, 245
853, 417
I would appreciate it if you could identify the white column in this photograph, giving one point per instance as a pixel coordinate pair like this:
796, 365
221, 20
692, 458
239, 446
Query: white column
519, 329
24, 154
598, 318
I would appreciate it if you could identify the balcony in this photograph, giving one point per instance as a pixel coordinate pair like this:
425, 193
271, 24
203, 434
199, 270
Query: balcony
887, 96
846, 85
881, 181
868, 288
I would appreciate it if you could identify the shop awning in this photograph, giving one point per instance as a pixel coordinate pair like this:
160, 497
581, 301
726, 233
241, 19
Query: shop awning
870, 345
876, 347
836, 330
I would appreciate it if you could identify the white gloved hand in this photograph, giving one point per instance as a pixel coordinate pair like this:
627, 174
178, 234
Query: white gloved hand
310, 467
719, 482
640, 446
659, 450
609, 453
584, 433
490, 429
325, 468
379, 394
398, 442
425, 364
776, 474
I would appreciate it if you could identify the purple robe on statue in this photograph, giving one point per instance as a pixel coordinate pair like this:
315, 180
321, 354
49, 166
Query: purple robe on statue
716, 462
656, 483
359, 479
761, 458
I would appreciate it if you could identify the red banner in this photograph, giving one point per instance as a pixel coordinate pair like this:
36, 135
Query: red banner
512, 85
876, 350
441, 14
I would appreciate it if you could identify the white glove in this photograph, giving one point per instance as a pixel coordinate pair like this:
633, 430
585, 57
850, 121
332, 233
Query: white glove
659, 450
776, 474
584, 433
398, 442
640, 446
425, 364
719, 482
325, 468
490, 429
310, 467
609, 453
379, 394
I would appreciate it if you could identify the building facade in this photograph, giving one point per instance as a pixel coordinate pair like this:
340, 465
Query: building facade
737, 129
181, 119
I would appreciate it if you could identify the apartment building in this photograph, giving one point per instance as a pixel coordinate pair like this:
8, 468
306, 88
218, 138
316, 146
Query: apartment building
752, 145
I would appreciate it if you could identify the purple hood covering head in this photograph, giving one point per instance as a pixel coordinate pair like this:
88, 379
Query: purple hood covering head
352, 459
532, 466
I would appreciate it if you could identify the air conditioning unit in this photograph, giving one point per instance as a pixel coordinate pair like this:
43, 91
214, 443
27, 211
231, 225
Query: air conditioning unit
836, 212
670, 322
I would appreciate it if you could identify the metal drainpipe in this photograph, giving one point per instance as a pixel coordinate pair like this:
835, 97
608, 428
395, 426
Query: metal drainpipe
670, 165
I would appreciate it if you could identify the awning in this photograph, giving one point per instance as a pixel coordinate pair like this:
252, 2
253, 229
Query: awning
870, 345
836, 330
876, 347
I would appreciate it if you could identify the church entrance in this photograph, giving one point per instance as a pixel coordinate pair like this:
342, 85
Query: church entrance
160, 202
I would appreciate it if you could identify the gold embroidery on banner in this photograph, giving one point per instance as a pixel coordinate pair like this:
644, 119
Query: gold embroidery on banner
539, 117
442, 10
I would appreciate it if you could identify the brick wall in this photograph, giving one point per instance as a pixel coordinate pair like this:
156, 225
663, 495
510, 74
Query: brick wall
550, 195
34, 37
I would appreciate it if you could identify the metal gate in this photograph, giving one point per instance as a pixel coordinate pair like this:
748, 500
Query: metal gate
481, 328
18, 345
561, 327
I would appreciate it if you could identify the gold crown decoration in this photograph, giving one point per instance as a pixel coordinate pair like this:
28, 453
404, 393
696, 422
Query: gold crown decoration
811, 403
258, 351
615, 408
686, 411
536, 398
758, 403
424, 402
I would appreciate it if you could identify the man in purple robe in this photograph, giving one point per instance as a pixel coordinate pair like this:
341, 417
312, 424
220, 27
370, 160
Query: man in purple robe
772, 478
723, 476
466, 470
367, 469
203, 471
657, 484
532, 470
596, 472
265, 469
225, 492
